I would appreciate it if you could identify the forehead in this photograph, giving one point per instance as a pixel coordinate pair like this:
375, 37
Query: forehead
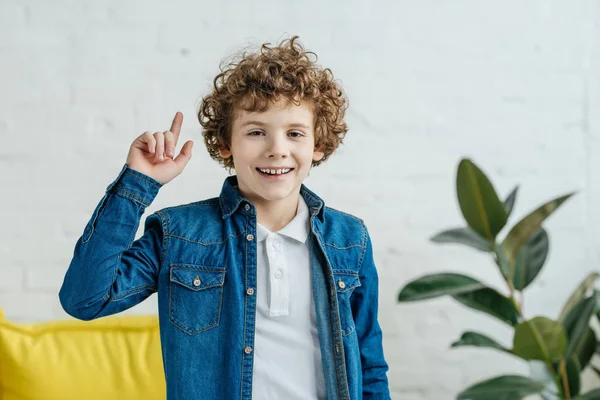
283, 110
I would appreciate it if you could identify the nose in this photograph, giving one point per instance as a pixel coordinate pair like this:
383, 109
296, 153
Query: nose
277, 147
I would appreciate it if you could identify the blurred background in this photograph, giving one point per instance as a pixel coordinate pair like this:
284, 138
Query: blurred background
512, 85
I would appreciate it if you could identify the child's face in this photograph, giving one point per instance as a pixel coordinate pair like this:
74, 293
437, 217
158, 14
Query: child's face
281, 138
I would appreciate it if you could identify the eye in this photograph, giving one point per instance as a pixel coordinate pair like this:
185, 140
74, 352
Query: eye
296, 134
255, 133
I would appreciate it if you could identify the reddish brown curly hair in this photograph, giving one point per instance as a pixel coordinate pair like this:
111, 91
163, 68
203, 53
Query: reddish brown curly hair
263, 77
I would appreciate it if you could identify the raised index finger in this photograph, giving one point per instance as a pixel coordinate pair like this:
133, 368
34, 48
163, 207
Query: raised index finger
176, 125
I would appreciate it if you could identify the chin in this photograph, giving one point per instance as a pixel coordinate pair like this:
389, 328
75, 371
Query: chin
274, 195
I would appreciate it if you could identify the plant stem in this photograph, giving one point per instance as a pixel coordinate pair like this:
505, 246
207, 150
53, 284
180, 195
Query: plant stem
565, 380
511, 287
557, 379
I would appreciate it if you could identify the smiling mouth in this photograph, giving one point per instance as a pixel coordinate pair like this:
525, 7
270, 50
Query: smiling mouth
274, 172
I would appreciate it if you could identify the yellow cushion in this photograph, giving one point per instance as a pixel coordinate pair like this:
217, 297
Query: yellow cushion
115, 357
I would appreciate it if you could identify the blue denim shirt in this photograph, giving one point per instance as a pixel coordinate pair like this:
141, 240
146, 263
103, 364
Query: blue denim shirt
201, 260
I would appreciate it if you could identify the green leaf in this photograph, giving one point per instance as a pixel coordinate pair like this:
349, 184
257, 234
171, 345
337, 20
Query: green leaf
490, 302
530, 260
510, 201
586, 347
593, 395
524, 229
578, 294
436, 285
465, 236
577, 323
503, 262
539, 339
479, 203
507, 387
573, 376
478, 340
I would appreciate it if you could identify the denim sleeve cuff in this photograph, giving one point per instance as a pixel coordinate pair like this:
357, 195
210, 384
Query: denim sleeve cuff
135, 186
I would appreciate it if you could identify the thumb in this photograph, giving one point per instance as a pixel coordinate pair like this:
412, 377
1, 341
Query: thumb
184, 155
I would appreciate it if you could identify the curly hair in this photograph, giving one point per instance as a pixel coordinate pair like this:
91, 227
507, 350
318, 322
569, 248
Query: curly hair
263, 77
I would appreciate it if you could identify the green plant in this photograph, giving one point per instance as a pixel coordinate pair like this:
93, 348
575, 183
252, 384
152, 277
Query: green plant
557, 350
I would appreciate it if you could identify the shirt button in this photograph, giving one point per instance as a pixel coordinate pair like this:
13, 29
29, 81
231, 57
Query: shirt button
250, 292
247, 207
197, 281
278, 274
341, 284
250, 237
248, 350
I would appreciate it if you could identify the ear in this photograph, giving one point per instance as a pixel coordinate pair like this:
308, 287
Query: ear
224, 152
318, 155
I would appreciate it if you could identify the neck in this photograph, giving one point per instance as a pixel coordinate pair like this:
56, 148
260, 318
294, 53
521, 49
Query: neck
275, 215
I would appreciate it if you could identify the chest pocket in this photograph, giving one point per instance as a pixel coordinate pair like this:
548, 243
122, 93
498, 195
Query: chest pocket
345, 283
195, 296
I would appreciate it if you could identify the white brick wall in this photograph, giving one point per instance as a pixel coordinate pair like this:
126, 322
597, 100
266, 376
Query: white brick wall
512, 84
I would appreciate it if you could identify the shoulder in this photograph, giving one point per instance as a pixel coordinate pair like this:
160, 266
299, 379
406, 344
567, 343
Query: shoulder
342, 229
183, 217
340, 216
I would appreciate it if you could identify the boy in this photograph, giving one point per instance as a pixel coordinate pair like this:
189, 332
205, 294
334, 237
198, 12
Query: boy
263, 292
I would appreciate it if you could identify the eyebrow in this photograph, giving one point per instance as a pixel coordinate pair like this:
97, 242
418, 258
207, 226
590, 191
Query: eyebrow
259, 123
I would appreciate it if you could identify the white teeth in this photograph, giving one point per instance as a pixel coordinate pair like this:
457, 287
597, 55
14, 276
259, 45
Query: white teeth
275, 171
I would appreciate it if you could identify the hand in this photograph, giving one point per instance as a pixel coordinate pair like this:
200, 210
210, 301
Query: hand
152, 155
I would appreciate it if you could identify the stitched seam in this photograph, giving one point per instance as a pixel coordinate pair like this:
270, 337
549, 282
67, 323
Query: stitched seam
131, 292
343, 248
130, 195
92, 223
364, 247
205, 243
139, 175
207, 202
109, 295
344, 213
245, 308
165, 244
309, 194
195, 289
349, 332
223, 207
176, 322
183, 266
347, 288
333, 339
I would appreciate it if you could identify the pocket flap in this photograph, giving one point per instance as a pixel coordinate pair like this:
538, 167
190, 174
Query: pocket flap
345, 281
195, 278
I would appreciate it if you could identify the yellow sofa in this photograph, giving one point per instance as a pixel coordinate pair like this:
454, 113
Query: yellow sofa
116, 357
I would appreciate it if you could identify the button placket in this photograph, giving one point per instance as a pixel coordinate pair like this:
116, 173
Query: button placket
278, 280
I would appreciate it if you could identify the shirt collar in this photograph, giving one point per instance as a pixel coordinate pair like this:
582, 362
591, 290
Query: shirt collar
230, 199
296, 229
